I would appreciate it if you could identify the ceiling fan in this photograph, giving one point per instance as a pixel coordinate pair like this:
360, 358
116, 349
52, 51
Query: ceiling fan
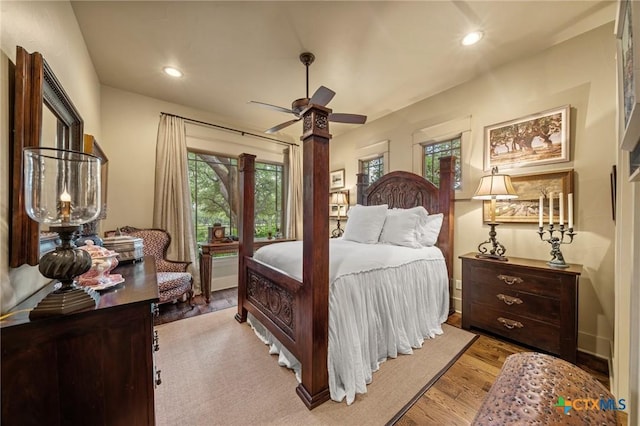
321, 97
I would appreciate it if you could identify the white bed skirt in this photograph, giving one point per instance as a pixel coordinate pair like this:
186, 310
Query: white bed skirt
374, 315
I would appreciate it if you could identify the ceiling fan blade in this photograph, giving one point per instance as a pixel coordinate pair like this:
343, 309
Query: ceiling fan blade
281, 126
322, 96
274, 107
348, 118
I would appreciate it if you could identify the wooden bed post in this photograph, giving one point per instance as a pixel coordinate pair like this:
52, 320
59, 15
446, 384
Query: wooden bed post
314, 309
362, 182
247, 169
446, 202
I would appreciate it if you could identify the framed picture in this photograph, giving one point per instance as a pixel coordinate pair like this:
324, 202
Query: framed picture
91, 146
628, 59
614, 184
338, 210
525, 208
336, 179
536, 139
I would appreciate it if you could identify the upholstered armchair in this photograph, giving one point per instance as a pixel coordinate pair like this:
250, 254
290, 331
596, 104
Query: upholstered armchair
174, 281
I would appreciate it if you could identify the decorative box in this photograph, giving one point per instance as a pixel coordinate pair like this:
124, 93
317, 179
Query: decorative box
129, 249
103, 261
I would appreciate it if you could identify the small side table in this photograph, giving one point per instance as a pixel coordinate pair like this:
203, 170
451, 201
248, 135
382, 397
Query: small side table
208, 249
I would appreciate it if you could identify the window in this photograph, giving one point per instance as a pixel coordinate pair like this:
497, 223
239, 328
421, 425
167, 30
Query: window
215, 194
432, 154
374, 168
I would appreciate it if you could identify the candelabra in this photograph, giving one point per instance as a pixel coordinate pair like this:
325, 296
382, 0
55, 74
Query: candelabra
557, 259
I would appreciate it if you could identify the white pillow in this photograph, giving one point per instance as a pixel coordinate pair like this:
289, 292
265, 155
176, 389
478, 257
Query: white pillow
431, 229
403, 227
365, 223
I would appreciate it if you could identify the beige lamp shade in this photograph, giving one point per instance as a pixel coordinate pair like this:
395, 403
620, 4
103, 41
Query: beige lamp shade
495, 186
338, 198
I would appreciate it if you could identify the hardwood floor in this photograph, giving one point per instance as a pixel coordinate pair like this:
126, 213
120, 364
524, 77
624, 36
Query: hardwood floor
452, 400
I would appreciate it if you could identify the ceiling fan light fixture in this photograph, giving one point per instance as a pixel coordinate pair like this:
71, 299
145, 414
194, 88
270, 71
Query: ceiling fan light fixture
173, 72
472, 38
321, 97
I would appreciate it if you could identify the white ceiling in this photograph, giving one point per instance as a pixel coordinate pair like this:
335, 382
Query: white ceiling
377, 56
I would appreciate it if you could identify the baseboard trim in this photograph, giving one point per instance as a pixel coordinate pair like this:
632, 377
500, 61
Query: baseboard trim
597, 346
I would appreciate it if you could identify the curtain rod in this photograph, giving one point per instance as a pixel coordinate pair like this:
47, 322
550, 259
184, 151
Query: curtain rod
242, 132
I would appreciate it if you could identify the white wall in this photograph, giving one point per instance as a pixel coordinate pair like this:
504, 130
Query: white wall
130, 127
51, 29
580, 72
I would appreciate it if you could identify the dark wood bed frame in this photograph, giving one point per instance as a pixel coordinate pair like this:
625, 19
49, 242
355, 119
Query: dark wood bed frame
297, 313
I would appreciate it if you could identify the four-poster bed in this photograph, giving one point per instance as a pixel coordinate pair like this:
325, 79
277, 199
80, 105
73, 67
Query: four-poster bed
296, 312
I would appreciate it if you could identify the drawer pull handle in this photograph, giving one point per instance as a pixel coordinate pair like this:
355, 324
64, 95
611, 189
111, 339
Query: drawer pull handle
510, 324
509, 280
509, 300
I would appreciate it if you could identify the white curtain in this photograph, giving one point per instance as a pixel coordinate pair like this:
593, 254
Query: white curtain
294, 194
172, 197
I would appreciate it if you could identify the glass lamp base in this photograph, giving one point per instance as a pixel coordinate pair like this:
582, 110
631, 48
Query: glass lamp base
65, 301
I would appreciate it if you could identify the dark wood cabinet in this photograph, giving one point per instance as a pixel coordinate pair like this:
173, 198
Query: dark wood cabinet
88, 368
524, 300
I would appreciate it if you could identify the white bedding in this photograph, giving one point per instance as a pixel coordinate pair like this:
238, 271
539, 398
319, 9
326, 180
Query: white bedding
383, 300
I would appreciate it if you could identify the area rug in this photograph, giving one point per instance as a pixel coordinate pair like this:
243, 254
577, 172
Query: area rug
215, 371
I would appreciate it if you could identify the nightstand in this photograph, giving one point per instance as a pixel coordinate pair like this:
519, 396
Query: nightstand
524, 300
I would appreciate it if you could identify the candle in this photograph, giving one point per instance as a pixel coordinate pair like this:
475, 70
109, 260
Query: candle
570, 211
561, 201
65, 206
551, 208
540, 211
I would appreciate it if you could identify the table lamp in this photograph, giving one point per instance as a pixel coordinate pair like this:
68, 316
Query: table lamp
338, 199
495, 186
62, 190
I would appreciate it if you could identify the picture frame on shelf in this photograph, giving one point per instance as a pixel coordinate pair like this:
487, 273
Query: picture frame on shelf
628, 61
533, 140
525, 208
92, 147
336, 179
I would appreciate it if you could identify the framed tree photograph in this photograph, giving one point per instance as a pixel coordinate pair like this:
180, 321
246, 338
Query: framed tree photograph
540, 138
336, 179
525, 208
628, 59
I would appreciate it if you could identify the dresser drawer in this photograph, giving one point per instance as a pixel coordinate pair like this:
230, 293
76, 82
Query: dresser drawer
513, 302
521, 329
517, 279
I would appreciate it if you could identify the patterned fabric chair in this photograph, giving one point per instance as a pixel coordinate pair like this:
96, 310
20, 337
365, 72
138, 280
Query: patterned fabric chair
174, 281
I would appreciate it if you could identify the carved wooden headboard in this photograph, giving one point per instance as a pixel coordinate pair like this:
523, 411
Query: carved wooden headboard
403, 190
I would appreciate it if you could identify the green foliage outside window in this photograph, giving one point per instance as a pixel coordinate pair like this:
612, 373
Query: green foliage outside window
432, 154
374, 168
215, 195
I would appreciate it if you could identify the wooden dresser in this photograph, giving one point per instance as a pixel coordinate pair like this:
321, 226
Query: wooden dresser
524, 300
88, 368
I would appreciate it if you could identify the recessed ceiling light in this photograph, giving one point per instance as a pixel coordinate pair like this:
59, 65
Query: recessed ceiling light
472, 38
173, 72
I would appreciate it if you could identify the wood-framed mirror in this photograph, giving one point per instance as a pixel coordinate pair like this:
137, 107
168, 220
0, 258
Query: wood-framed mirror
43, 115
